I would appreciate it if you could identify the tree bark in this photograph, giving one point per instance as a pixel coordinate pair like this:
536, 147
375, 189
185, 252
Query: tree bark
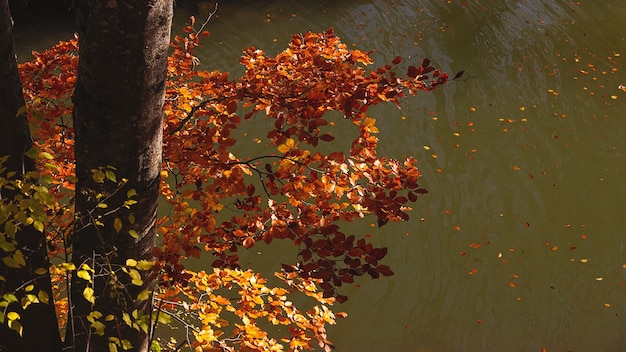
40, 330
118, 121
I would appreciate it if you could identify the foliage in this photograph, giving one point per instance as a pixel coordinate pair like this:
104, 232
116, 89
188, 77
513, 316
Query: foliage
220, 202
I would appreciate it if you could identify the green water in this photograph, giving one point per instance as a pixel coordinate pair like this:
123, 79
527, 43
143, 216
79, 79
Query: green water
519, 245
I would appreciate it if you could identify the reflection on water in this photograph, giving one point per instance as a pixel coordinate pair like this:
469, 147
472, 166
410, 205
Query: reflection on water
520, 242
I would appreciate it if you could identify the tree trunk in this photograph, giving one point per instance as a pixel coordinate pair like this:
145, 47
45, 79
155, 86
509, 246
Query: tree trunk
118, 117
40, 330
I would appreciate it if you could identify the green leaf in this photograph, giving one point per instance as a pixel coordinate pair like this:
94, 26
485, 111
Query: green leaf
131, 193
47, 155
9, 297
46, 179
133, 233
126, 345
32, 153
97, 175
154, 346
20, 111
51, 166
110, 175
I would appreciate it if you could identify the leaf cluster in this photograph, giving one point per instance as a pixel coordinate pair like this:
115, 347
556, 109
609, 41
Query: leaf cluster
221, 202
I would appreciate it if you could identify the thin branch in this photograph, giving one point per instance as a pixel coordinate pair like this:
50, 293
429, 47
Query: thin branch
207, 20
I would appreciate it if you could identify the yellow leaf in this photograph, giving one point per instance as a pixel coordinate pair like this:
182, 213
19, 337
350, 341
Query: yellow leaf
369, 124
84, 274
131, 262
144, 265
97, 175
289, 144
144, 295
19, 259
16, 325
88, 294
10, 262
67, 266
117, 225
13, 316
133, 233
38, 225
43, 297
29, 288
112, 347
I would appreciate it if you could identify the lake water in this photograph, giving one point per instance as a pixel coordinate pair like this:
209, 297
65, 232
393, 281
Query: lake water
519, 245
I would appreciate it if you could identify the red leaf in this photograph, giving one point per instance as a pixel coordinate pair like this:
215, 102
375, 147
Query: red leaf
248, 242
384, 270
327, 137
413, 71
341, 298
231, 107
396, 60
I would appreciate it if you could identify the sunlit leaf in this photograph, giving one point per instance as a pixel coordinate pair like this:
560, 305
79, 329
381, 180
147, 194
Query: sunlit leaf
88, 294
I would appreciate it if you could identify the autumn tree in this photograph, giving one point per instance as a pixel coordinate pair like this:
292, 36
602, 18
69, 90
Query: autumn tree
99, 154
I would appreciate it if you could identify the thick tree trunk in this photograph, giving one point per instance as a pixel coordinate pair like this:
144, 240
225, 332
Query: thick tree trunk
118, 123
40, 330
